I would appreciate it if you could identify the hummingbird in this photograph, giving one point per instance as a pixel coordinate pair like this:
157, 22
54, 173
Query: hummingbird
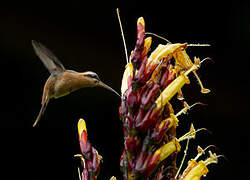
62, 82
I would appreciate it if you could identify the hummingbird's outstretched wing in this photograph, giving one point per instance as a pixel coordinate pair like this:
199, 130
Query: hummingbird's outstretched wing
49, 60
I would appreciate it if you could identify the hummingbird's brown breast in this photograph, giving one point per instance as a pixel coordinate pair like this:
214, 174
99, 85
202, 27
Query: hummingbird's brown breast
64, 83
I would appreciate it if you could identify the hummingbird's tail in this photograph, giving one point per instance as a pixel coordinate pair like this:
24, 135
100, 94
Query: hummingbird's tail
44, 105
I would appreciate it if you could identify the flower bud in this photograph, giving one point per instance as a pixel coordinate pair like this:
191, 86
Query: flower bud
149, 95
85, 146
85, 174
95, 161
140, 79
141, 70
136, 57
132, 144
140, 115
123, 110
147, 44
159, 131
152, 164
167, 77
81, 126
148, 120
132, 99
141, 162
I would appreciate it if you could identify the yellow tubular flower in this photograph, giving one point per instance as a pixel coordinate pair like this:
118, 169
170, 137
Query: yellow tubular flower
173, 121
173, 88
183, 59
200, 169
128, 72
191, 163
174, 146
81, 126
197, 171
168, 149
163, 51
157, 51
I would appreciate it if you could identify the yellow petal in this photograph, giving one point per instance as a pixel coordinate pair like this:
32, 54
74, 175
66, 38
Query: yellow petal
173, 88
197, 171
113, 178
164, 51
128, 72
147, 44
183, 59
81, 126
170, 91
168, 149
191, 164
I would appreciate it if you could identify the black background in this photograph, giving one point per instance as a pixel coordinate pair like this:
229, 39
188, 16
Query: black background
86, 36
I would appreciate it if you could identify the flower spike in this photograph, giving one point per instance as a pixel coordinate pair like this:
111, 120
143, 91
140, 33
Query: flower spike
90, 158
149, 120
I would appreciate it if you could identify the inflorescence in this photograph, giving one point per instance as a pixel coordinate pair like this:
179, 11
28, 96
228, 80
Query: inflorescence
149, 120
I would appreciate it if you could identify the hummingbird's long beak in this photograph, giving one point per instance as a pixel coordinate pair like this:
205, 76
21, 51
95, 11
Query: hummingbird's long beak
101, 84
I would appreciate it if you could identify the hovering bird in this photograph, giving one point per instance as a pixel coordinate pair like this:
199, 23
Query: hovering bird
61, 82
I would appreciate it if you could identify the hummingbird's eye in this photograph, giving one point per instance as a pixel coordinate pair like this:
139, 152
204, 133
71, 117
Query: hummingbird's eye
93, 76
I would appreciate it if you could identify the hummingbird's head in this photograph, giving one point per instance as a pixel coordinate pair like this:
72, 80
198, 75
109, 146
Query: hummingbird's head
94, 80
92, 77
